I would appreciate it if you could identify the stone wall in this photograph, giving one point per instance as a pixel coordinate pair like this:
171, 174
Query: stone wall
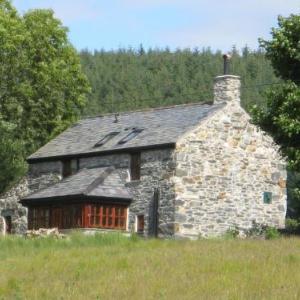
223, 169
40, 176
157, 167
9, 206
50, 167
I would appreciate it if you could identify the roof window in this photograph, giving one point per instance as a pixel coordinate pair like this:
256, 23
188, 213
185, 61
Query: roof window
106, 139
131, 135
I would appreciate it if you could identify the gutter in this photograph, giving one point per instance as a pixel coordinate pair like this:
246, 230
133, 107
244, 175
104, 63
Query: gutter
72, 199
98, 153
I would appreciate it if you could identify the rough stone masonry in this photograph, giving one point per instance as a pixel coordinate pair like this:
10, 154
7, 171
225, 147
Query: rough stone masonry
225, 168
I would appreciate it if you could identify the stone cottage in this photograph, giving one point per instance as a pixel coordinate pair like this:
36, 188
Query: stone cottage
181, 171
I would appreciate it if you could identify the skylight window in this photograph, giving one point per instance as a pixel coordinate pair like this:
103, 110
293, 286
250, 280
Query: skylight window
131, 135
106, 139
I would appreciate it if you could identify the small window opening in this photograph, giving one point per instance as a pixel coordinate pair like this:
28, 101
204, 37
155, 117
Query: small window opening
107, 138
8, 224
77, 164
67, 168
131, 135
140, 224
267, 197
135, 166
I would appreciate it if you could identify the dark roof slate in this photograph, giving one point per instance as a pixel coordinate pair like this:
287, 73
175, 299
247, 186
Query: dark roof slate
162, 126
96, 182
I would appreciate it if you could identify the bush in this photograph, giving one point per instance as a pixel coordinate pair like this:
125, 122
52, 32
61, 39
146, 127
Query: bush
292, 226
232, 233
262, 231
271, 233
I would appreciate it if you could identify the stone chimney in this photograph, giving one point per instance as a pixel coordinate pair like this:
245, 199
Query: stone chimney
226, 87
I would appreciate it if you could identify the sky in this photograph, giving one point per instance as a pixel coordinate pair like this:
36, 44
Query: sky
110, 24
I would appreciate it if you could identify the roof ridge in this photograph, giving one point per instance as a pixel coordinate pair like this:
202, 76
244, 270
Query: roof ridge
148, 109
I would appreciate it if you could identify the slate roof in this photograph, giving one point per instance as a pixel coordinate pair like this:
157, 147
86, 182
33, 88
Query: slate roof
161, 127
87, 183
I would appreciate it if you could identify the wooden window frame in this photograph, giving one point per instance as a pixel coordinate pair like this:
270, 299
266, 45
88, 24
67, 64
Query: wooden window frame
71, 216
135, 166
39, 217
106, 216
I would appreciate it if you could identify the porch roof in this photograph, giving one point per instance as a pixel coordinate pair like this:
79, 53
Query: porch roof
93, 184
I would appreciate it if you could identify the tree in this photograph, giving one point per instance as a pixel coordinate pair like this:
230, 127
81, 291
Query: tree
281, 116
284, 48
12, 164
126, 80
42, 87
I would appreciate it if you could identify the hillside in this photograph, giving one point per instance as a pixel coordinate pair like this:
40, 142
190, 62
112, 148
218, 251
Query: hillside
129, 79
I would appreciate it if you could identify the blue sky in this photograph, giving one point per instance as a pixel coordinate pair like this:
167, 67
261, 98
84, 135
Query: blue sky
109, 24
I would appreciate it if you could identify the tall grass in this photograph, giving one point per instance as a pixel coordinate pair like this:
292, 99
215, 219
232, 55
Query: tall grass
116, 267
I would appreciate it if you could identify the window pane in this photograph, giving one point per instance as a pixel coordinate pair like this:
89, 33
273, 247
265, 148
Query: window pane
110, 211
104, 210
106, 139
98, 210
130, 136
122, 210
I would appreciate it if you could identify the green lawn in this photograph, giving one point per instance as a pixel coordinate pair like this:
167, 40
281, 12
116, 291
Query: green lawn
115, 267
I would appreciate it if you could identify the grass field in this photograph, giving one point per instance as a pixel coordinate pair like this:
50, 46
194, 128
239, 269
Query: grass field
116, 267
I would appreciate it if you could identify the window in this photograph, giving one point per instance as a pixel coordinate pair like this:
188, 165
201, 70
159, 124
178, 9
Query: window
267, 197
140, 224
67, 168
77, 164
107, 216
39, 218
131, 135
78, 216
135, 166
106, 139
63, 217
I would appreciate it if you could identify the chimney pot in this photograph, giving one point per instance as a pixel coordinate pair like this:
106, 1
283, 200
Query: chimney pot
226, 58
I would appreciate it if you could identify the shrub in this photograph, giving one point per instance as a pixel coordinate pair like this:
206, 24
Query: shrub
271, 233
232, 233
292, 225
262, 231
